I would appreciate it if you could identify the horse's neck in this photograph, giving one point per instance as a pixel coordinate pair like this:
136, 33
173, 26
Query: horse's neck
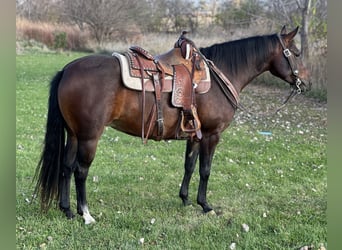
242, 75
248, 78
245, 75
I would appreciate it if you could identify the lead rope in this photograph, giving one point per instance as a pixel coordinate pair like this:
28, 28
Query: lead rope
292, 94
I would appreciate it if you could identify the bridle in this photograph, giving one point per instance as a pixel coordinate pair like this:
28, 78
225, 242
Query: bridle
293, 65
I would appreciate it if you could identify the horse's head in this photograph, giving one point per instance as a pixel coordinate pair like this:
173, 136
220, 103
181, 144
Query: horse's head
287, 63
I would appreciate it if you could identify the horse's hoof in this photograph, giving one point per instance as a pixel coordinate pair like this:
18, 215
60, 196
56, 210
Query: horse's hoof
187, 203
70, 216
68, 213
88, 219
211, 213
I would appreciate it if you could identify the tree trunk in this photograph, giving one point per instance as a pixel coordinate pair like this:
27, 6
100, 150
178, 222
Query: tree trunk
305, 30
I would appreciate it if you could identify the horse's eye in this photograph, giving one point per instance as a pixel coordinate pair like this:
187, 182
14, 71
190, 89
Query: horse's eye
295, 51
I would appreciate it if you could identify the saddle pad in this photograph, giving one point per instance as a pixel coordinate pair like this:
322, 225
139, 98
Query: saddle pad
135, 82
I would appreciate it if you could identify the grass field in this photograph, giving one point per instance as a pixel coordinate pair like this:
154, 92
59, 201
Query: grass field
275, 184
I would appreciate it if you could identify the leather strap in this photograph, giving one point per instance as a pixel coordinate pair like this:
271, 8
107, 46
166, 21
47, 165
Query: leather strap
160, 120
290, 57
150, 121
143, 99
221, 78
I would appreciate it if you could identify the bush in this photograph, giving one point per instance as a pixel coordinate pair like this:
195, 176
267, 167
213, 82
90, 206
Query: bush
60, 41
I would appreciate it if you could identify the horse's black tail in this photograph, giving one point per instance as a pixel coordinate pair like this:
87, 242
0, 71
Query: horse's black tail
50, 164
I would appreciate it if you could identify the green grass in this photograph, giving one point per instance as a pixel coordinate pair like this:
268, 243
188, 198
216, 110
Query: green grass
277, 184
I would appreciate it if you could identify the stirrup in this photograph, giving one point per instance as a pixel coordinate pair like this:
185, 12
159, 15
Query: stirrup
195, 123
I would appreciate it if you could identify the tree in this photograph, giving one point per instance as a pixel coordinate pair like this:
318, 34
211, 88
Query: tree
38, 10
305, 14
104, 18
239, 14
171, 15
310, 15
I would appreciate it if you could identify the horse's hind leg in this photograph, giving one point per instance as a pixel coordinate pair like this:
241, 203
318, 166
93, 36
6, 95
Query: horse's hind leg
191, 155
85, 156
66, 173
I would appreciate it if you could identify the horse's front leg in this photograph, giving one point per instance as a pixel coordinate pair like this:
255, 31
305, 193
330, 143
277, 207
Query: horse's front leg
207, 149
191, 155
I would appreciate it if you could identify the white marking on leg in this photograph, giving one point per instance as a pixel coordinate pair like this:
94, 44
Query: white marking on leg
211, 212
88, 219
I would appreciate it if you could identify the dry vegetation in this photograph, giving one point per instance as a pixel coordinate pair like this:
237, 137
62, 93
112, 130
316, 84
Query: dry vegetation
46, 33
77, 40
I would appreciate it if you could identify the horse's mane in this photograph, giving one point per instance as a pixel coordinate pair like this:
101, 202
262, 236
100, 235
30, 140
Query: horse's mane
239, 54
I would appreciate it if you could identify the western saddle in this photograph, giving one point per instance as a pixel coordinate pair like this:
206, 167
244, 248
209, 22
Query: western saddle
186, 67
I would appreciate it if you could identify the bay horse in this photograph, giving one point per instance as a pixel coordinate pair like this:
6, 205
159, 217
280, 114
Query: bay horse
88, 94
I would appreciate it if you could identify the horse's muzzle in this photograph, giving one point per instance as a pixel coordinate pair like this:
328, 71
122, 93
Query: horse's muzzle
302, 85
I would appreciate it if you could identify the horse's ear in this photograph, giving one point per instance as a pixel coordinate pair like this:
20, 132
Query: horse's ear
292, 34
283, 30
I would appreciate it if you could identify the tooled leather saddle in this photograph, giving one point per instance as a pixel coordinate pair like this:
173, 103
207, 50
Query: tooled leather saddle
181, 71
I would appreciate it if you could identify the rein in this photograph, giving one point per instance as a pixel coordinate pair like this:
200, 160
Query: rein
292, 94
226, 86
233, 96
